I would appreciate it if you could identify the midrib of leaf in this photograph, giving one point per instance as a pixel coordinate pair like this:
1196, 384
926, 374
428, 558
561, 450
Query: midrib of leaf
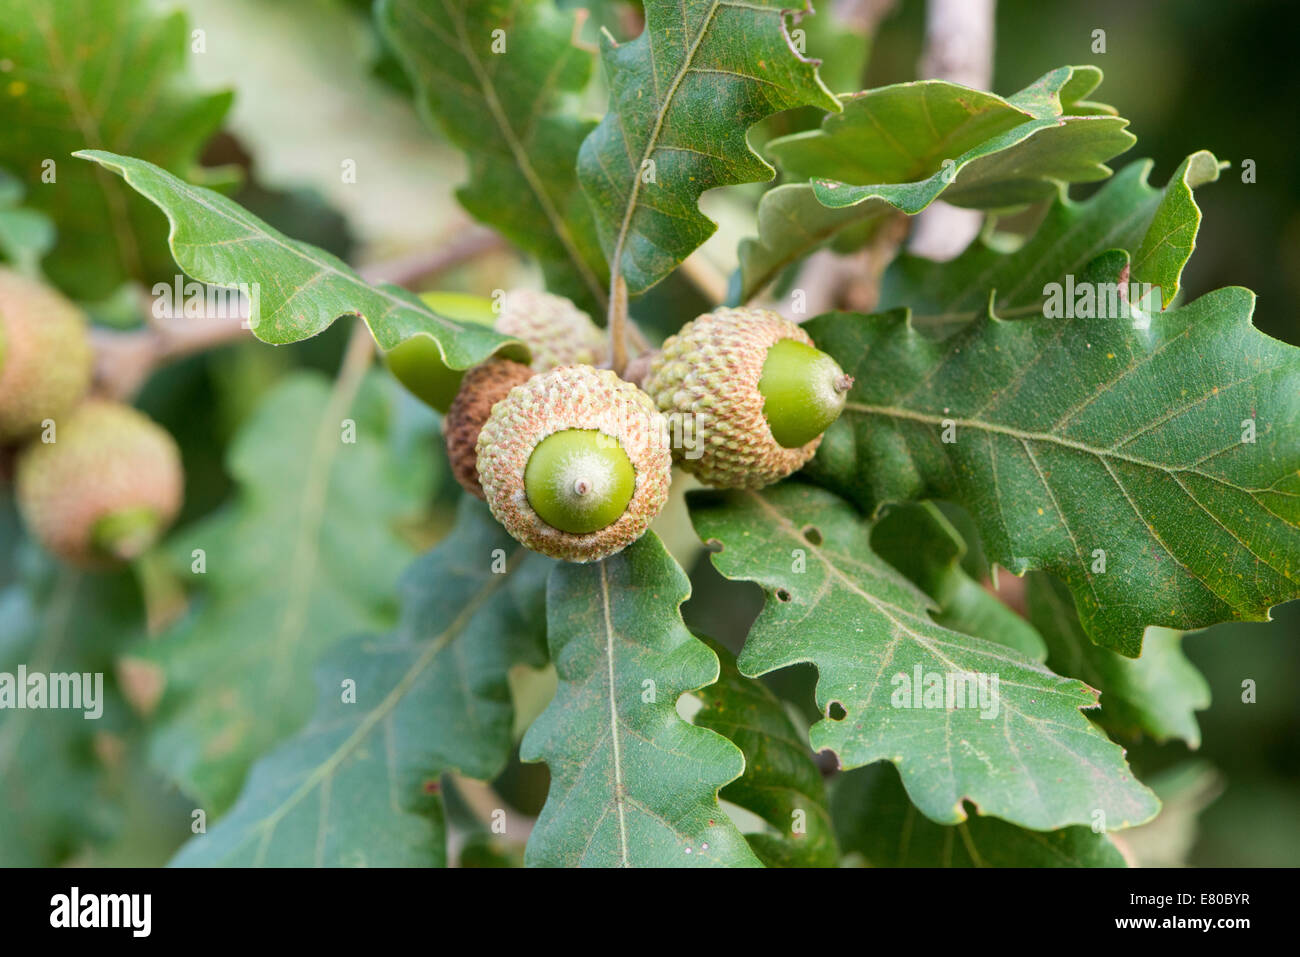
1023, 436
1104, 456
620, 788
311, 513
488, 89
938, 318
255, 233
88, 123
888, 608
616, 260
979, 283
923, 161
325, 771
56, 633
903, 629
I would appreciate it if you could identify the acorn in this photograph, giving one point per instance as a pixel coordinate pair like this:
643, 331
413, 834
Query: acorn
105, 489
753, 390
483, 387
557, 331
417, 362
575, 463
46, 361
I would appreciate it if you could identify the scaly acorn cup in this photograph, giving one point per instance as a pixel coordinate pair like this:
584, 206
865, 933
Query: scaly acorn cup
105, 489
483, 387
417, 362
575, 463
46, 360
557, 332
757, 392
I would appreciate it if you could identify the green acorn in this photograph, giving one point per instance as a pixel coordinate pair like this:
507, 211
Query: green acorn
105, 489
46, 360
757, 392
483, 387
575, 463
417, 362
556, 331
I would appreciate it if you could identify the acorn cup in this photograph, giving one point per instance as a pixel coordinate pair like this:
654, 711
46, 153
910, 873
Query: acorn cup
483, 387
46, 360
759, 392
557, 332
105, 490
575, 463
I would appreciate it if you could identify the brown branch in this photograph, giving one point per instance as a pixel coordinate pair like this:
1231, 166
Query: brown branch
125, 360
409, 271
618, 324
705, 277
830, 280
958, 48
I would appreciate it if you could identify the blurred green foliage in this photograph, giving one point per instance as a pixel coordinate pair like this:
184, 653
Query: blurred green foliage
1190, 75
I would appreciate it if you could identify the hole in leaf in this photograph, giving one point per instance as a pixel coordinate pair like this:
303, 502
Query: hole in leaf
782, 595
835, 711
812, 534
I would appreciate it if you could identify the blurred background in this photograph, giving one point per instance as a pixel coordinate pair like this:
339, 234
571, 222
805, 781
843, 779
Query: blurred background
312, 85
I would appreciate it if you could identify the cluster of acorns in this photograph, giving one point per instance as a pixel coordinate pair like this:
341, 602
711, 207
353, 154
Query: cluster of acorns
575, 462
97, 481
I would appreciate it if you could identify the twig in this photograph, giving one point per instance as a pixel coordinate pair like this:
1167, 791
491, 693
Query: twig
705, 277
471, 244
831, 280
959, 42
125, 360
618, 325
639, 341
863, 293
958, 48
484, 801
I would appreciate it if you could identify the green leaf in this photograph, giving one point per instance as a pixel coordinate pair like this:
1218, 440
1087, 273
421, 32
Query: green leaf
1171, 236
1158, 693
1021, 751
923, 545
902, 135
26, 235
632, 784
305, 555
101, 76
901, 147
782, 783
1108, 452
682, 96
1186, 789
1157, 226
508, 110
57, 795
875, 819
359, 786
299, 290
